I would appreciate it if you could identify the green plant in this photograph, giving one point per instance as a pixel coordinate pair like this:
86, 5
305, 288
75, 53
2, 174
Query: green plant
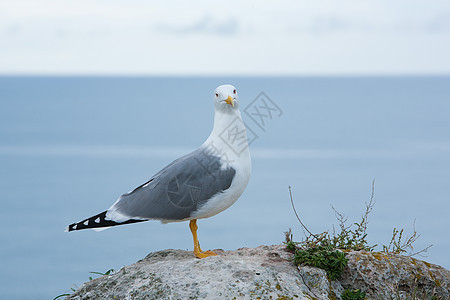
352, 237
65, 295
321, 250
74, 287
324, 257
101, 274
291, 246
353, 295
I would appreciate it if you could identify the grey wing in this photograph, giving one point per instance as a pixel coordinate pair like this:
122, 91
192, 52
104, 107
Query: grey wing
177, 190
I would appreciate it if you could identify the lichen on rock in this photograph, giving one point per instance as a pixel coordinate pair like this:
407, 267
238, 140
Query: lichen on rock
393, 276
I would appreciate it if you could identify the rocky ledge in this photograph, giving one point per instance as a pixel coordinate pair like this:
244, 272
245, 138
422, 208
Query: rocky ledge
267, 272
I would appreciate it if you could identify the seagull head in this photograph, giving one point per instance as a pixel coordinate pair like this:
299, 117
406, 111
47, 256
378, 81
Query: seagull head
226, 98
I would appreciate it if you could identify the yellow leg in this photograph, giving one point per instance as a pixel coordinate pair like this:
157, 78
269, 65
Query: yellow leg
197, 250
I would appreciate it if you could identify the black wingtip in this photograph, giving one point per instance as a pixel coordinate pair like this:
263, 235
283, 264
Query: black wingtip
97, 221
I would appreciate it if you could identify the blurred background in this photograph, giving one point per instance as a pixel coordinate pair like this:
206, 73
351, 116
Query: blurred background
229, 37
97, 96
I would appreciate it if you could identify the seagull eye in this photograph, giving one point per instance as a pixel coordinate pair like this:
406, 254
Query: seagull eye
234, 92
217, 95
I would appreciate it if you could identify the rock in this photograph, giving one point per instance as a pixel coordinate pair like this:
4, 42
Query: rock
318, 284
265, 272
388, 276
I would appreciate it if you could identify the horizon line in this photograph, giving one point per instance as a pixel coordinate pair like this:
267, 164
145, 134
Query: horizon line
266, 153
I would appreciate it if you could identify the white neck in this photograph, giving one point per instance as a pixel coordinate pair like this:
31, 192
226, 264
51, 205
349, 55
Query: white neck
229, 132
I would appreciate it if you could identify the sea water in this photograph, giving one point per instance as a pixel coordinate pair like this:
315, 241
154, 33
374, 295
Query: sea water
70, 146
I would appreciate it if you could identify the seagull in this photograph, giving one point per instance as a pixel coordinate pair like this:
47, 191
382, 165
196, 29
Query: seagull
198, 185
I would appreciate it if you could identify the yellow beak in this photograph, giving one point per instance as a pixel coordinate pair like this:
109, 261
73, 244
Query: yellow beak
230, 101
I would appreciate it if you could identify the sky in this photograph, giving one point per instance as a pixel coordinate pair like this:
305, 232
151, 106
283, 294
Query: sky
140, 37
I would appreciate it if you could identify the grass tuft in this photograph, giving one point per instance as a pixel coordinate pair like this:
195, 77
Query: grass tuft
74, 287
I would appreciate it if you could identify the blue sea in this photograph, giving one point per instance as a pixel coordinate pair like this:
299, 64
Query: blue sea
70, 146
